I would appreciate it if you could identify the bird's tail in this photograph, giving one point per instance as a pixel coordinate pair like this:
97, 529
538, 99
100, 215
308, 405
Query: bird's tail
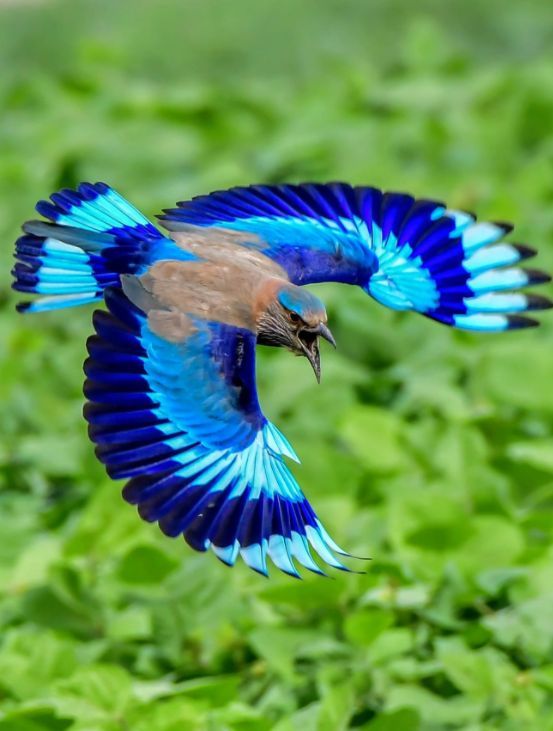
90, 236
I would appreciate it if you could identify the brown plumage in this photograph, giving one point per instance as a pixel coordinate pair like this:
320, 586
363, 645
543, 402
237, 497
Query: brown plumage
233, 283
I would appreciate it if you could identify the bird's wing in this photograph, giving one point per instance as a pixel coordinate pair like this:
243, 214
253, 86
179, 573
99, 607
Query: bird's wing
172, 405
408, 254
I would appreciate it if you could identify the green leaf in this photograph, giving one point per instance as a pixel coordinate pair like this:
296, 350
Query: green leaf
537, 453
145, 565
363, 627
95, 693
213, 691
44, 451
390, 644
373, 435
133, 623
280, 646
336, 709
239, 717
34, 562
406, 719
174, 714
31, 660
306, 719
433, 709
484, 674
529, 624
518, 376
32, 719
494, 542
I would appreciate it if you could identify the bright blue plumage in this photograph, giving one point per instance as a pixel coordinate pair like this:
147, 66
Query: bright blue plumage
300, 301
172, 401
407, 254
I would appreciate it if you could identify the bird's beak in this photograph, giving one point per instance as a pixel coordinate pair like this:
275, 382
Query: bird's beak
310, 346
325, 333
313, 355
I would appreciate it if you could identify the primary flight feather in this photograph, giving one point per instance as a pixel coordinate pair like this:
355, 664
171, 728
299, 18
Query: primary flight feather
170, 378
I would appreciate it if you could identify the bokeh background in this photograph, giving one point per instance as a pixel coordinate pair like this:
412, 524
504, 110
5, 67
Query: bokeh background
430, 451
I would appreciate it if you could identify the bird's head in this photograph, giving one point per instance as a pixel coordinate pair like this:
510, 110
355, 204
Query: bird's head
295, 318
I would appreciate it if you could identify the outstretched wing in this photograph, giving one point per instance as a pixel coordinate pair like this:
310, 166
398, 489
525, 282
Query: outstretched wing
173, 406
408, 254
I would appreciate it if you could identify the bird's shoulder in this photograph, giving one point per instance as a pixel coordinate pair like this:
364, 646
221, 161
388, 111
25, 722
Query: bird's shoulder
223, 288
227, 247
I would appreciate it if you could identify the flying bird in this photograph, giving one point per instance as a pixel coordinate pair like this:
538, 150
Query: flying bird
172, 404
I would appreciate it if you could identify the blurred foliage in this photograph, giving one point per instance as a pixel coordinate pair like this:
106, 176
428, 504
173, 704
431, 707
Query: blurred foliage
430, 451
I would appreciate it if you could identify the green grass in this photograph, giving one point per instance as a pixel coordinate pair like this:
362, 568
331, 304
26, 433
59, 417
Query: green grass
430, 451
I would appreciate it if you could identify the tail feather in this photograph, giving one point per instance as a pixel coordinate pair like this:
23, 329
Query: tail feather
91, 237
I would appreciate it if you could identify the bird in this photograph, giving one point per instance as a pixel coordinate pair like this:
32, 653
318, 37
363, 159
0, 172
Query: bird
170, 384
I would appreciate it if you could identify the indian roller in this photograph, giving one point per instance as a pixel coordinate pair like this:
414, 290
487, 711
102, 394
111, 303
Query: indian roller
172, 404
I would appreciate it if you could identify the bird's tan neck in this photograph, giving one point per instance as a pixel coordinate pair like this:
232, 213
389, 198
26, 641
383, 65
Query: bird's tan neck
265, 295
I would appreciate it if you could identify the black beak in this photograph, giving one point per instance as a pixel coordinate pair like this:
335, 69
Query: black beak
309, 340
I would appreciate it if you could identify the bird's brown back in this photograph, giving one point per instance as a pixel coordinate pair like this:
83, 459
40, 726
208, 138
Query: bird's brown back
231, 282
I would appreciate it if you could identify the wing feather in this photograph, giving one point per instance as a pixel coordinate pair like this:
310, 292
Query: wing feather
408, 254
202, 460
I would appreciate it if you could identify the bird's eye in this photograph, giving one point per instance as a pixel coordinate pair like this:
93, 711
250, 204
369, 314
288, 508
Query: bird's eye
294, 317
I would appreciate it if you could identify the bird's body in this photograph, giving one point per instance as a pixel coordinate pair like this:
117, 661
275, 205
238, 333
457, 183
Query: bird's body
172, 401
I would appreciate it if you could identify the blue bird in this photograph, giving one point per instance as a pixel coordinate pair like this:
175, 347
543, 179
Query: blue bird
172, 404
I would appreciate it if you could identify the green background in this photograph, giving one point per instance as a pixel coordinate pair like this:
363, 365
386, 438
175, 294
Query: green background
428, 450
